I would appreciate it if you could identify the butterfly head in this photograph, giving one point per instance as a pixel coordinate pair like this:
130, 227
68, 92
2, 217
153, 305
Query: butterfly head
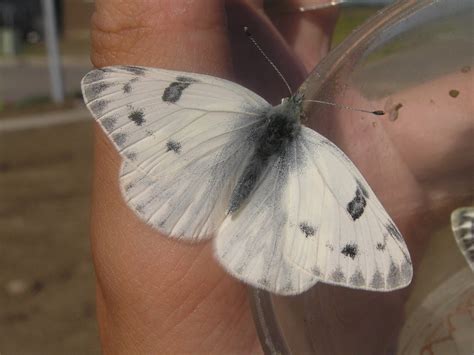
293, 105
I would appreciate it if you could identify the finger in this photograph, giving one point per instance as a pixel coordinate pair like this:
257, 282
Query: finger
156, 295
184, 35
307, 33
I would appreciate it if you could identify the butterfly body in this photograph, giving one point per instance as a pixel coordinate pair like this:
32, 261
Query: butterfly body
280, 126
204, 157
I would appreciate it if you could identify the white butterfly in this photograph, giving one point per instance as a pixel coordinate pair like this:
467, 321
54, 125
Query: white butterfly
203, 156
462, 223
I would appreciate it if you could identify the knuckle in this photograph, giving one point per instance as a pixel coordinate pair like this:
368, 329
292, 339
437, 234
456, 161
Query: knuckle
114, 37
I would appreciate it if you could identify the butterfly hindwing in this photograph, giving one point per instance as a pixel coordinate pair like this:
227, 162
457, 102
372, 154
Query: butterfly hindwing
313, 217
184, 139
341, 233
251, 243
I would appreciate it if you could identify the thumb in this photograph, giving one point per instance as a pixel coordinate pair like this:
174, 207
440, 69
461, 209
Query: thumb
154, 294
184, 35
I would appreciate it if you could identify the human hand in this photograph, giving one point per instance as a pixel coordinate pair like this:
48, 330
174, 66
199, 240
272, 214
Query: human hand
154, 294
159, 295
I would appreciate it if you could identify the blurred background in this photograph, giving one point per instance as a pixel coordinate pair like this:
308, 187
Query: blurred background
46, 277
47, 296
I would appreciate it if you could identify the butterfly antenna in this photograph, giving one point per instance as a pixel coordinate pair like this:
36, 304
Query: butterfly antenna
377, 112
249, 35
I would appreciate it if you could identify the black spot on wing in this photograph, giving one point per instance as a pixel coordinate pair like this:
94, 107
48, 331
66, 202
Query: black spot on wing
407, 272
98, 106
134, 69
362, 188
393, 277
393, 231
382, 245
119, 138
357, 205
186, 79
377, 280
350, 250
109, 123
307, 229
131, 156
357, 279
338, 276
137, 116
173, 146
174, 91
93, 76
127, 87
94, 90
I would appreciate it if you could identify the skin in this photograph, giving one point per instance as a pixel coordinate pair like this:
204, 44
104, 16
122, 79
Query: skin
157, 295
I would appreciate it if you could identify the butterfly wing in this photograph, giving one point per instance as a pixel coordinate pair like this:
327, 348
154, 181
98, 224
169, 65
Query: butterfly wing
462, 223
251, 243
312, 218
340, 231
183, 137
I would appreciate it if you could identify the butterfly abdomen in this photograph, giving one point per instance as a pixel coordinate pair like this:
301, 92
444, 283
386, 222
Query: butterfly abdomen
246, 182
277, 132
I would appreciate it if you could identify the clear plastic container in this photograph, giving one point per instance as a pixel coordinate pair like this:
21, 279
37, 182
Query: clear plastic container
414, 60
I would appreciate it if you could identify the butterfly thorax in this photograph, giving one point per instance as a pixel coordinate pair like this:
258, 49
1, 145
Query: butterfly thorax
280, 126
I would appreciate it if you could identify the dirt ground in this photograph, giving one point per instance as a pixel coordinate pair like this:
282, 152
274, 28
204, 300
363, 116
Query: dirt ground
46, 278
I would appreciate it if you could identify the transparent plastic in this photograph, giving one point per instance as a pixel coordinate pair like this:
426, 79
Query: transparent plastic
414, 60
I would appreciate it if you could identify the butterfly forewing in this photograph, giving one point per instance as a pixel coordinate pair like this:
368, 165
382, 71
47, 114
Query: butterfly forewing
184, 138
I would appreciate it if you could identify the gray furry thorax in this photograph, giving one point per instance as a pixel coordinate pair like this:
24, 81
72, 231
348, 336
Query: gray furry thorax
280, 126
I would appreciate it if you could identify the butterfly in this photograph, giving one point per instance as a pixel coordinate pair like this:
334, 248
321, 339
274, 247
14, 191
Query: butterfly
203, 157
462, 223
